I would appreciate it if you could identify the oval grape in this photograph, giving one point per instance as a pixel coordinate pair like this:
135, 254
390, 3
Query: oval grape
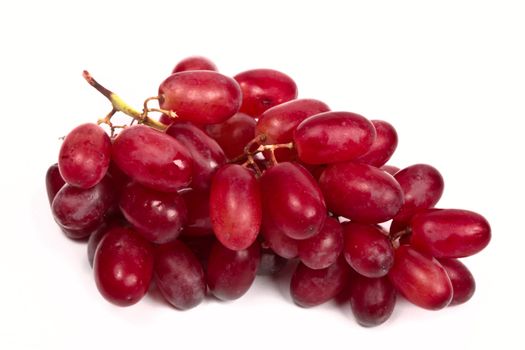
383, 147
54, 182
463, 283
194, 63
233, 134
372, 300
323, 249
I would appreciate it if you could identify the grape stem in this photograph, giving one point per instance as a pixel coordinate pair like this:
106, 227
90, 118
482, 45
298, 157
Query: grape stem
120, 106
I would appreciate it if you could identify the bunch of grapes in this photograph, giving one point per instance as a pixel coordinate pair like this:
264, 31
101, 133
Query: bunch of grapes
238, 177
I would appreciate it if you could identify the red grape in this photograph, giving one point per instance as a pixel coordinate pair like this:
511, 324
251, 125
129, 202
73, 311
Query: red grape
152, 158
123, 266
372, 300
179, 275
54, 182
323, 249
271, 263
201, 97
392, 170
207, 155
84, 156
231, 273
292, 200
263, 89
383, 146
421, 279
332, 137
367, 249
450, 233
198, 222
277, 241
233, 134
235, 206
194, 63
463, 283
97, 235
361, 192
157, 216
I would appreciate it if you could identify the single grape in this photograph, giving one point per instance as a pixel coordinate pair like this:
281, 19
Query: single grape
194, 63
372, 300
84, 156
277, 241
383, 146
367, 249
332, 137
152, 158
292, 200
361, 192
421, 279
198, 222
450, 233
422, 187
392, 170
235, 206
311, 287
201, 97
231, 273
123, 266
179, 275
157, 216
263, 89
233, 134
463, 283
206, 154
54, 182
271, 263
323, 249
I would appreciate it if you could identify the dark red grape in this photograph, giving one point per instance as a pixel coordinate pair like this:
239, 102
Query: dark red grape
157, 216
323, 249
463, 283
54, 182
235, 206
194, 63
231, 273
96, 236
201, 97
152, 158
200, 246
372, 300
292, 200
198, 222
277, 241
383, 146
450, 233
332, 137
392, 170
422, 187
361, 192
421, 279
206, 154
123, 266
179, 275
271, 263
311, 287
233, 134
263, 89
84, 156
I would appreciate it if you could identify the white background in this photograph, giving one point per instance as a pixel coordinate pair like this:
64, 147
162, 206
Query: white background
449, 75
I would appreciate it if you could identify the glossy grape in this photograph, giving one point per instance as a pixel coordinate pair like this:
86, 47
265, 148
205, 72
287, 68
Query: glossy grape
152, 158
271, 263
206, 154
84, 156
235, 206
198, 222
157, 216
422, 187
231, 273
450, 233
384, 144
179, 275
292, 200
277, 241
54, 182
263, 89
194, 63
323, 249
463, 283
332, 137
311, 287
372, 300
421, 279
361, 192
201, 97
367, 249
123, 266
233, 134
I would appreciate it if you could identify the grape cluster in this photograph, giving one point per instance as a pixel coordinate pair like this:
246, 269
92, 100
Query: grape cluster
238, 177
